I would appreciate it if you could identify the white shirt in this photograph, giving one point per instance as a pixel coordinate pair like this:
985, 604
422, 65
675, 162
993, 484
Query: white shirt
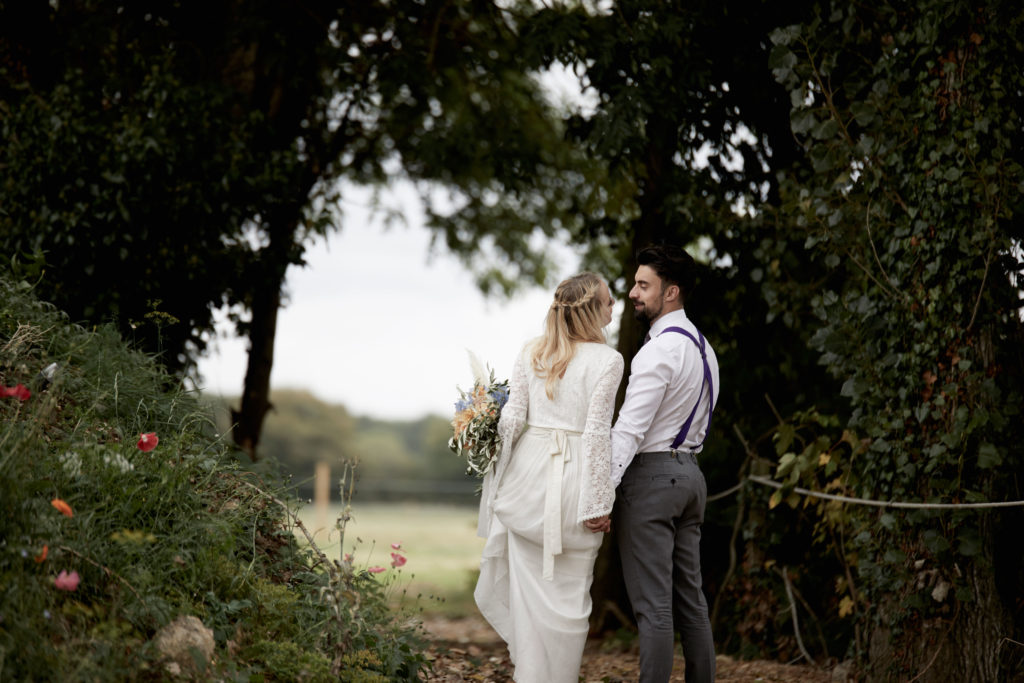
664, 383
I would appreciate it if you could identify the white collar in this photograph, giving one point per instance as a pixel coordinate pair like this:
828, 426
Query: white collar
670, 319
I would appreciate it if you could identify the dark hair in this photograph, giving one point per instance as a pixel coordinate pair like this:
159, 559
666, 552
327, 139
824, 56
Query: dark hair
673, 265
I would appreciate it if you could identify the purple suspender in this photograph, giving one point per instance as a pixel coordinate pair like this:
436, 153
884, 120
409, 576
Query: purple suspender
707, 379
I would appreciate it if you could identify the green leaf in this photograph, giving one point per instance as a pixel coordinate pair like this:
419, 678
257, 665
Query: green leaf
825, 130
786, 464
894, 556
781, 60
989, 456
785, 35
802, 121
863, 112
969, 542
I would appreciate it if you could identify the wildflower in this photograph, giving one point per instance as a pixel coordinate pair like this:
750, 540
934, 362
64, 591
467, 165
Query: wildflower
72, 463
42, 555
396, 546
148, 441
117, 461
46, 614
63, 507
376, 569
18, 391
347, 558
397, 560
66, 581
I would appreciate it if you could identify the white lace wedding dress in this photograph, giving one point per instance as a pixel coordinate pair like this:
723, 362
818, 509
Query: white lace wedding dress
551, 476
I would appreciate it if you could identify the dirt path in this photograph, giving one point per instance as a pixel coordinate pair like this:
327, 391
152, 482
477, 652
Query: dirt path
467, 649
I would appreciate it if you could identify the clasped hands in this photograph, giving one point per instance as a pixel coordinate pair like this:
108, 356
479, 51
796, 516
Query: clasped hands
599, 524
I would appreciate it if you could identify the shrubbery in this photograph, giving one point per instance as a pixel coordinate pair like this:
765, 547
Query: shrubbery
179, 530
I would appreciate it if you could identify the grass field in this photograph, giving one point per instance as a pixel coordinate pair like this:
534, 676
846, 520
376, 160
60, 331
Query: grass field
439, 542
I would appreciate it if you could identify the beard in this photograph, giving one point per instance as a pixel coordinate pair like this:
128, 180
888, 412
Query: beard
645, 314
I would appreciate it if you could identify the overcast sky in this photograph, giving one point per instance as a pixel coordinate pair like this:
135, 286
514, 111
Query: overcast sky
376, 323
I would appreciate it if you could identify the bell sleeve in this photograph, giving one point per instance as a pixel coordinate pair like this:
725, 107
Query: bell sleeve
510, 426
597, 494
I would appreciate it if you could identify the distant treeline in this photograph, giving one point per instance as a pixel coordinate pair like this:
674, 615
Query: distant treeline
395, 460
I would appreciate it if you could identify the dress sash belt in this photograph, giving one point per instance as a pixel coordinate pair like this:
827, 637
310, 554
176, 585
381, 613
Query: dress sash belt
560, 454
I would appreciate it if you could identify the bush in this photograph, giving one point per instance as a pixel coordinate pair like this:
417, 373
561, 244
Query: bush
145, 535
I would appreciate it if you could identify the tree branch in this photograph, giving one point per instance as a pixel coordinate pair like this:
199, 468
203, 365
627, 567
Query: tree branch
792, 610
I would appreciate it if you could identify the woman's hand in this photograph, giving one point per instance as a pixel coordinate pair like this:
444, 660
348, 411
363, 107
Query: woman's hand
599, 524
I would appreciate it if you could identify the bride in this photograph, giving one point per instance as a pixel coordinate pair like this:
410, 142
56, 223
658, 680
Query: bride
549, 494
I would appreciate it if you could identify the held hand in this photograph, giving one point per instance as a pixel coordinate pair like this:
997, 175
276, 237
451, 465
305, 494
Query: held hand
599, 524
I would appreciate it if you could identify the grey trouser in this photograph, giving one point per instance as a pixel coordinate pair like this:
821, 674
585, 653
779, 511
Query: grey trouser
660, 510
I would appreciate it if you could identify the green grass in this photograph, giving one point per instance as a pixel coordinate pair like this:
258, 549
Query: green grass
439, 541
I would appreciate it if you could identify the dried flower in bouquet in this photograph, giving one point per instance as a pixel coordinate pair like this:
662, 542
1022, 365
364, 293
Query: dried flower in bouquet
475, 425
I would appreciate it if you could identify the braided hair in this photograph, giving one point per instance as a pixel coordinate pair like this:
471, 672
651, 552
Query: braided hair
573, 317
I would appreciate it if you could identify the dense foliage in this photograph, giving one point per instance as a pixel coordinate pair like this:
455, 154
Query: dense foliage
106, 538
164, 160
911, 119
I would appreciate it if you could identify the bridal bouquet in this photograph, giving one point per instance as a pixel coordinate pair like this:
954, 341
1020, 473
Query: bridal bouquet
475, 424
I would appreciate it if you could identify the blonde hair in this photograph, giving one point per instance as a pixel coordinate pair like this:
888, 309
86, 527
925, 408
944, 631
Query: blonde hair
574, 317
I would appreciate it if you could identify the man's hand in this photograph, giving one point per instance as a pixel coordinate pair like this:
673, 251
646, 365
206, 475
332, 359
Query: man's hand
599, 524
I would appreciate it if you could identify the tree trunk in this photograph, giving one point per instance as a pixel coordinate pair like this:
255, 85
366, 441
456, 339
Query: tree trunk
964, 647
255, 402
266, 302
608, 591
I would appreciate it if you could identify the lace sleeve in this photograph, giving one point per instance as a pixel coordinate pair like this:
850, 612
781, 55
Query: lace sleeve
597, 494
510, 426
513, 415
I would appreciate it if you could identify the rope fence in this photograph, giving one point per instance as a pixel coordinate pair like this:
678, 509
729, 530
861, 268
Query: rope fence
765, 481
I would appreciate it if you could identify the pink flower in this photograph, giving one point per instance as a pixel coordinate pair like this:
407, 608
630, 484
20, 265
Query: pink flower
348, 558
375, 569
397, 560
147, 442
396, 546
18, 391
66, 581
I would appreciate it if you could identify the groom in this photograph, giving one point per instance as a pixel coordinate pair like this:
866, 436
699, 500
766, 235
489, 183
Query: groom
673, 384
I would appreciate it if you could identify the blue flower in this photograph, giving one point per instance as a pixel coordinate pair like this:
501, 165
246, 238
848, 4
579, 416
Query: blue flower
500, 396
462, 405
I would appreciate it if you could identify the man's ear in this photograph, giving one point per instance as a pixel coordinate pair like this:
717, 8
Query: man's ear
672, 293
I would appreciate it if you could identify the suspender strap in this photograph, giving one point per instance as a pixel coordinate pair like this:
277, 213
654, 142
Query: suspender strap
681, 437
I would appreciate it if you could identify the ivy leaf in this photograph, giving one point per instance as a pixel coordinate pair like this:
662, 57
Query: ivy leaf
784, 436
970, 542
989, 456
863, 112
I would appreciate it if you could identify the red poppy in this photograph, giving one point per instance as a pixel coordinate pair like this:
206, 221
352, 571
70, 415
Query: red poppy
63, 507
375, 570
147, 441
42, 556
397, 560
18, 391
